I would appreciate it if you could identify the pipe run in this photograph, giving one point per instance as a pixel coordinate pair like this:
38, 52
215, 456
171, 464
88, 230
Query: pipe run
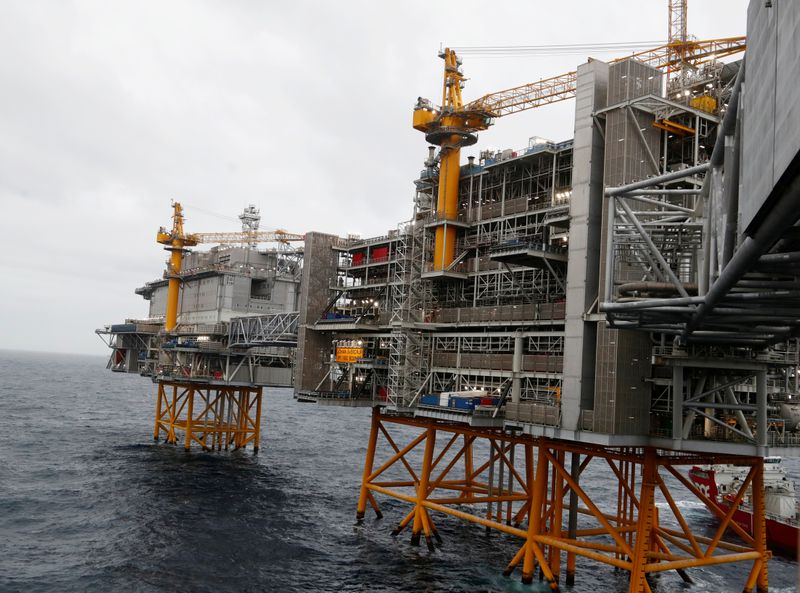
651, 181
781, 217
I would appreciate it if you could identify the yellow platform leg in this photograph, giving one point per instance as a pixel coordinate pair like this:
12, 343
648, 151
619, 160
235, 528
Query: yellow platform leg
213, 417
533, 551
644, 530
159, 401
557, 512
189, 418
628, 535
759, 534
420, 518
172, 438
257, 427
468, 467
369, 461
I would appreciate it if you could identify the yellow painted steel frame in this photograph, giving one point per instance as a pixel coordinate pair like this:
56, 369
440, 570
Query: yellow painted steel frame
214, 417
447, 206
673, 127
450, 162
175, 241
471, 474
174, 286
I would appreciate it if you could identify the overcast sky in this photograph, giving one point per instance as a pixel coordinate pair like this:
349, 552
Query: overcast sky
109, 110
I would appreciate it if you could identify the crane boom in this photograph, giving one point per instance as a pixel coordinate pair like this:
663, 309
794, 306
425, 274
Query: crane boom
562, 87
526, 96
452, 125
278, 236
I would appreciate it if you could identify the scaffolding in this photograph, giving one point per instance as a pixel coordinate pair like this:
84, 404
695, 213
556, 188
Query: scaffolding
408, 346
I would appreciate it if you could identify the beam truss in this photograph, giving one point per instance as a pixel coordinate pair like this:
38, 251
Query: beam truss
276, 329
745, 286
669, 57
522, 486
213, 417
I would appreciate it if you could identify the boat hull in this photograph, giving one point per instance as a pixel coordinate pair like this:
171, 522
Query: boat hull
781, 537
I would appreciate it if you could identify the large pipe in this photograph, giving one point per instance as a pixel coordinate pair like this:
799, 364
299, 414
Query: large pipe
651, 181
730, 197
715, 161
781, 284
760, 296
722, 406
649, 304
779, 258
635, 195
662, 192
619, 307
780, 218
649, 286
728, 123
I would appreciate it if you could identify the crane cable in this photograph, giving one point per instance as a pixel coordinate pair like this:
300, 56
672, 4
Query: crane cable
511, 51
209, 212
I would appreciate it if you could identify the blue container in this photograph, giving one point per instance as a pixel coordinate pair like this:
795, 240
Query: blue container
463, 403
431, 399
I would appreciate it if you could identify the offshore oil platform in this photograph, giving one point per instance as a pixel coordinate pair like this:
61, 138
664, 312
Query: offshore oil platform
237, 332
625, 299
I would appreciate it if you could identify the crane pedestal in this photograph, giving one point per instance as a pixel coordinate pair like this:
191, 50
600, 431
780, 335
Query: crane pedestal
530, 488
216, 417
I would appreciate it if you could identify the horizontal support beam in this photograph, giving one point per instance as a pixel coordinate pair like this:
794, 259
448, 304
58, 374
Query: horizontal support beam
652, 181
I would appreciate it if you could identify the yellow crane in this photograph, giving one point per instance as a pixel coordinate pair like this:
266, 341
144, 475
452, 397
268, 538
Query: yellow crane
453, 125
175, 240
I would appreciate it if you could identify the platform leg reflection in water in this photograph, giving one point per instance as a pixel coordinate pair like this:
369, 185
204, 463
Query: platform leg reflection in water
453, 469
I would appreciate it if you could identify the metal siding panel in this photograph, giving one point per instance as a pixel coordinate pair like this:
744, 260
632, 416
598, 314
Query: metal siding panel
758, 137
582, 270
622, 397
787, 87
